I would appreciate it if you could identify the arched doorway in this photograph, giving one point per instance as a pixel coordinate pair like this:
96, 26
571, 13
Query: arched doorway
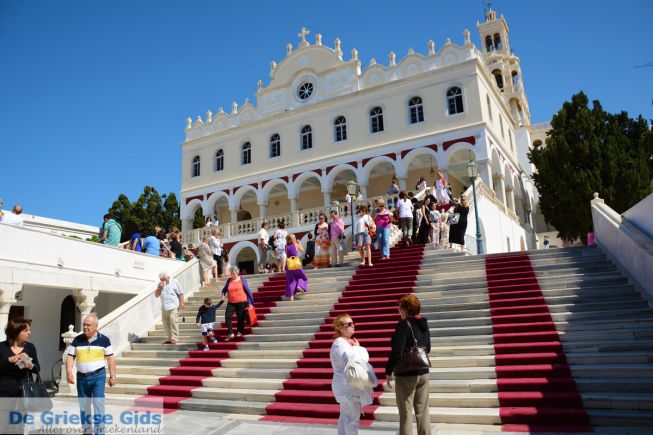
246, 261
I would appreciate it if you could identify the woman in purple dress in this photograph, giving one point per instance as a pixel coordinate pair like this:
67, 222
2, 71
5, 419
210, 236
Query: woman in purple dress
295, 279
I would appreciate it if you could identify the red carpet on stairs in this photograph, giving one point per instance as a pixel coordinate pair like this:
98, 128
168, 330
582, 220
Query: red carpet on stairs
537, 391
199, 364
370, 298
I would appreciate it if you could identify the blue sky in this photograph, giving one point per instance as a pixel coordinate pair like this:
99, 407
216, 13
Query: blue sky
94, 94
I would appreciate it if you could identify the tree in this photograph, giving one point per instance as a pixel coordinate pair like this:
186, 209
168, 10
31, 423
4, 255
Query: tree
198, 219
589, 150
150, 210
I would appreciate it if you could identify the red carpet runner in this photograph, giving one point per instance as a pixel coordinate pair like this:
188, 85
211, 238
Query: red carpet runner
199, 364
370, 298
537, 391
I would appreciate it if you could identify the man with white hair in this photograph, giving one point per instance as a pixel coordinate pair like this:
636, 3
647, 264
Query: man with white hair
88, 351
172, 299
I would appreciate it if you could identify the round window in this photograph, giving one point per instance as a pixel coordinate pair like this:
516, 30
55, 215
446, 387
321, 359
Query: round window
305, 90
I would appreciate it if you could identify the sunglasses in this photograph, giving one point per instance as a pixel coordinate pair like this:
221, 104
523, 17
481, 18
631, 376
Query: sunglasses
349, 324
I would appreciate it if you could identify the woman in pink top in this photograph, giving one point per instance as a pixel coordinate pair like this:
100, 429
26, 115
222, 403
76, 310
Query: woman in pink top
382, 220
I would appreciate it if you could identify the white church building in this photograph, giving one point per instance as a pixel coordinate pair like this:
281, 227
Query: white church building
324, 119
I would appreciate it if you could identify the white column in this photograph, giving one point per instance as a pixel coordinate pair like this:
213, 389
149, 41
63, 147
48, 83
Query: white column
294, 216
363, 188
500, 188
262, 210
234, 215
484, 171
8, 294
85, 301
327, 198
402, 183
510, 198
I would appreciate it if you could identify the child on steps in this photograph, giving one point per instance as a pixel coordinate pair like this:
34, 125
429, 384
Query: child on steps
205, 320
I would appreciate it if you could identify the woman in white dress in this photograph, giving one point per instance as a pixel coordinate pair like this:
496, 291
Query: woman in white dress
441, 192
346, 349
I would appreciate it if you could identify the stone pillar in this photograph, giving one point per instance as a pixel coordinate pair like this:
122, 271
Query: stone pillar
402, 183
327, 198
8, 294
294, 215
500, 188
234, 215
85, 301
510, 198
484, 171
64, 386
262, 210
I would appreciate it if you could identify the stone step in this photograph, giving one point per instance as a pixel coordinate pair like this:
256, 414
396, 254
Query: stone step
271, 363
244, 383
151, 362
141, 370
250, 373
233, 394
446, 415
224, 406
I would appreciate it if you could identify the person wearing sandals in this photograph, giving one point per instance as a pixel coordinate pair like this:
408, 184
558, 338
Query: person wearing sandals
412, 387
364, 224
238, 296
296, 280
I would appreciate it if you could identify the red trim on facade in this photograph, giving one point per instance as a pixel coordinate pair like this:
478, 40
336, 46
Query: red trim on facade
208, 195
294, 176
254, 185
234, 189
319, 172
433, 146
469, 139
404, 152
190, 198
328, 169
227, 192
264, 182
285, 178
354, 164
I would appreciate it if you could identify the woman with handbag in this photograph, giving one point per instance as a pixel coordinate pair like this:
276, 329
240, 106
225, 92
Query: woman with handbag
296, 279
351, 392
408, 364
383, 220
239, 297
322, 243
17, 357
207, 263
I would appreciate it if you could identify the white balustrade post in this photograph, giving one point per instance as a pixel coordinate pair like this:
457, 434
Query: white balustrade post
64, 386
85, 302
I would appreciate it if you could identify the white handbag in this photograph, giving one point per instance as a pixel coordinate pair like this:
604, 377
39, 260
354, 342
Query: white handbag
360, 375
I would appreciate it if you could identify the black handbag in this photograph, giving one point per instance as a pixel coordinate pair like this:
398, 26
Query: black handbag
32, 395
413, 359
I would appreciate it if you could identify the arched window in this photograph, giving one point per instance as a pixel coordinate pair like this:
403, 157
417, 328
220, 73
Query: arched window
488, 43
275, 145
246, 154
489, 107
219, 160
416, 110
498, 77
376, 120
515, 80
195, 167
307, 137
497, 41
455, 100
340, 128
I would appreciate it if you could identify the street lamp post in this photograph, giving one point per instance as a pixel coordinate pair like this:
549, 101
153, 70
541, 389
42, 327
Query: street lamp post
472, 171
352, 186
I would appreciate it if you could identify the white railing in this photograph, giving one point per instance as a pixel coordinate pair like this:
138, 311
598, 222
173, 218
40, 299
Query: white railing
541, 126
300, 218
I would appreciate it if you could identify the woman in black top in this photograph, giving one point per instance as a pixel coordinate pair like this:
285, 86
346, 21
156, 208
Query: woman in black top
457, 231
412, 388
12, 350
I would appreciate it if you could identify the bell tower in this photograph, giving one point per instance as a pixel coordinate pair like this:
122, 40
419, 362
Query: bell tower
503, 65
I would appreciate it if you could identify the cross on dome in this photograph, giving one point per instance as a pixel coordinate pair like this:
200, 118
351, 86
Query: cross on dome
303, 34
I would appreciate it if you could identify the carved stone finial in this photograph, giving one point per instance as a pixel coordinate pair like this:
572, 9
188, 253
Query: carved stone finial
259, 85
209, 116
318, 39
220, 110
189, 123
234, 108
354, 54
431, 46
392, 57
336, 45
596, 195
303, 34
466, 36
246, 100
273, 66
411, 50
288, 48
199, 120
373, 61
447, 41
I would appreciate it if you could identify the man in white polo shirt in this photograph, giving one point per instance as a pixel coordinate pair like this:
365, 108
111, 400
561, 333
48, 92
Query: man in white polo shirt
172, 299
